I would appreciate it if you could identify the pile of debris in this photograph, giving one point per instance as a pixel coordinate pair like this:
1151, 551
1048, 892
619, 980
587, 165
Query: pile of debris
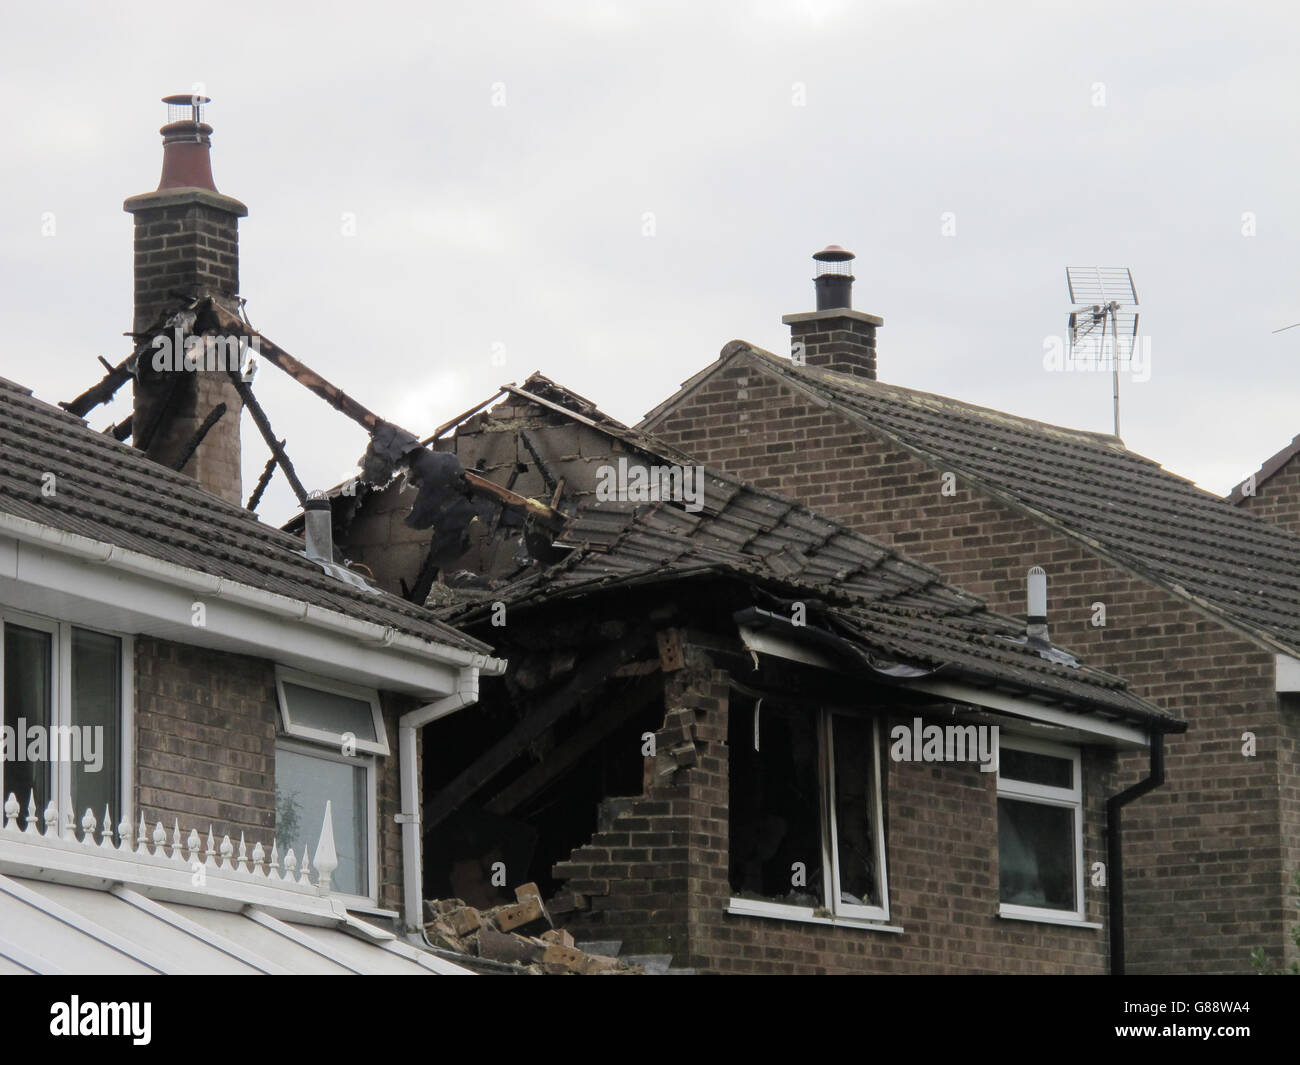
520, 935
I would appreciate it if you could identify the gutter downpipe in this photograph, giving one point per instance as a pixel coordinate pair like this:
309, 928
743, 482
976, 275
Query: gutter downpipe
1115, 850
466, 693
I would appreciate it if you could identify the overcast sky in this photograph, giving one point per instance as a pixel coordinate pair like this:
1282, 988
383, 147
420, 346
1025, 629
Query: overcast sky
653, 188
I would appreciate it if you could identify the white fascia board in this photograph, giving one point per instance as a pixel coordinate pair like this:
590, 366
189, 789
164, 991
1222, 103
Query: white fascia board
50, 572
1287, 675
1040, 720
1064, 724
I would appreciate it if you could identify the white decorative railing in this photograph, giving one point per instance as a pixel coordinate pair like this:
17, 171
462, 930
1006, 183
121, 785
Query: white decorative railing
151, 850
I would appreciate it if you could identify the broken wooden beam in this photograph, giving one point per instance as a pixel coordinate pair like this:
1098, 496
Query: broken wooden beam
550, 710
268, 471
192, 445
264, 427
569, 752
366, 418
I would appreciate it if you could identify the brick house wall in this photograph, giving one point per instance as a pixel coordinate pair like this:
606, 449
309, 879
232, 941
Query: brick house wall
1206, 855
1278, 498
657, 874
205, 728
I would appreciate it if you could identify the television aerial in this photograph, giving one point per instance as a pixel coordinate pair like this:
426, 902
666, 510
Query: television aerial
1105, 301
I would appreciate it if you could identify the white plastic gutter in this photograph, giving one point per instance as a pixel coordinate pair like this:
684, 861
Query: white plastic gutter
409, 769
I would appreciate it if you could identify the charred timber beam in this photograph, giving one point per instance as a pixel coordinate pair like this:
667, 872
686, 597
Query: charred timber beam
214, 415
264, 427
268, 471
366, 418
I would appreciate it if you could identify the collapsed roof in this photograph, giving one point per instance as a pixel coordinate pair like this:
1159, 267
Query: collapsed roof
864, 600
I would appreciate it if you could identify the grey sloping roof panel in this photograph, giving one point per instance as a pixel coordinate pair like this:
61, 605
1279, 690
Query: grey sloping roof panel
110, 493
895, 609
1126, 507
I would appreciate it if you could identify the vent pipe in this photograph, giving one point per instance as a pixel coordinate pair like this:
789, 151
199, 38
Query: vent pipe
1036, 627
318, 526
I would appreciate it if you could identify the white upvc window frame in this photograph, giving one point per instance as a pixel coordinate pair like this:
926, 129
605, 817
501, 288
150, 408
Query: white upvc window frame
320, 743
61, 714
833, 910
312, 831
298, 730
1068, 798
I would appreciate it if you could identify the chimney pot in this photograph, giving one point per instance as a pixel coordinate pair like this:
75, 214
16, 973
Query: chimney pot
835, 336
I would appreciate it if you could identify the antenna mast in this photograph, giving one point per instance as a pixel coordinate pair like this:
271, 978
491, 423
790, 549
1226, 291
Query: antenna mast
1103, 297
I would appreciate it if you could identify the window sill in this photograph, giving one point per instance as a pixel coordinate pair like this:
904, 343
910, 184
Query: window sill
1043, 918
748, 908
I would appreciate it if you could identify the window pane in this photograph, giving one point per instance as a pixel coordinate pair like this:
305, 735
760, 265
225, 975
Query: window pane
855, 811
1036, 854
302, 786
1035, 768
330, 712
28, 673
97, 713
775, 808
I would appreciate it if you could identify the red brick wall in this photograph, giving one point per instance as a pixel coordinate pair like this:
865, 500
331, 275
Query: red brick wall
205, 725
1278, 499
658, 876
1204, 861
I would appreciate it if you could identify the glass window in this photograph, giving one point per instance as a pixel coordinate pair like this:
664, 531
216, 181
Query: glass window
1036, 854
97, 713
29, 706
805, 812
1040, 839
303, 784
855, 801
329, 711
63, 732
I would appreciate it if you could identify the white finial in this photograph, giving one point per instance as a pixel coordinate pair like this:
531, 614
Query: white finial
106, 826
327, 859
275, 854
259, 857
176, 839
12, 810
142, 836
88, 828
159, 837
51, 819
192, 844
31, 812
241, 859
227, 849
290, 864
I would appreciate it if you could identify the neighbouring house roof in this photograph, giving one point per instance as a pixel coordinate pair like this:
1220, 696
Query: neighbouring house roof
110, 493
162, 903
1088, 486
1271, 466
887, 609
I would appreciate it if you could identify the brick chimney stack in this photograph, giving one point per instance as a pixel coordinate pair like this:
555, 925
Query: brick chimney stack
834, 336
186, 244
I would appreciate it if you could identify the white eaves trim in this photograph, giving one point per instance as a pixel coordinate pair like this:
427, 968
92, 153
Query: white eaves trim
1064, 724
240, 618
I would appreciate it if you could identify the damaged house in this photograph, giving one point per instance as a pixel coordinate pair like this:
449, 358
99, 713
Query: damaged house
211, 729
737, 734
1194, 601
